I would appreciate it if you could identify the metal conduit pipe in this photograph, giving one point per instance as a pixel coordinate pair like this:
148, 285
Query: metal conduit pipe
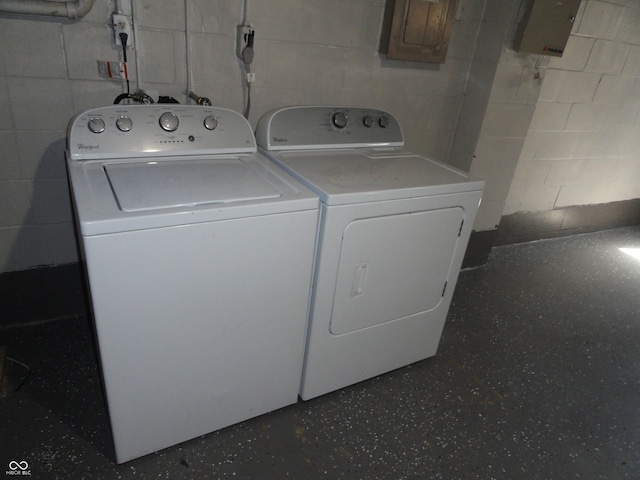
72, 9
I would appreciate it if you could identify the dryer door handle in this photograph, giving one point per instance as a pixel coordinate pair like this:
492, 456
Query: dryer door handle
359, 277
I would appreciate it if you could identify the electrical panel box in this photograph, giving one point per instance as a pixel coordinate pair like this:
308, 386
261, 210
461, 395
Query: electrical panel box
417, 30
546, 26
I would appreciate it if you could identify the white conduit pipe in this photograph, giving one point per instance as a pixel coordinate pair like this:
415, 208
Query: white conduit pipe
74, 9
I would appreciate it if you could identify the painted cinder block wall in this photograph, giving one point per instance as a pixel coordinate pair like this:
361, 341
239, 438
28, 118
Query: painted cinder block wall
482, 110
306, 52
562, 132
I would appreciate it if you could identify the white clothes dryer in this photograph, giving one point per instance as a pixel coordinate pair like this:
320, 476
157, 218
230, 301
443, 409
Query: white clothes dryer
199, 256
393, 230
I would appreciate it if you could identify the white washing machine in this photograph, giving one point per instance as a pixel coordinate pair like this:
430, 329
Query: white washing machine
393, 230
199, 256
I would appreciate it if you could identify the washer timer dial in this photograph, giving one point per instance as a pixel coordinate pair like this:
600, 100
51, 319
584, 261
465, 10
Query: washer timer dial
169, 122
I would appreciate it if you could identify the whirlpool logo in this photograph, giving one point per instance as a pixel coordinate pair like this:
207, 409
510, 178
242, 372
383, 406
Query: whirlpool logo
18, 468
84, 146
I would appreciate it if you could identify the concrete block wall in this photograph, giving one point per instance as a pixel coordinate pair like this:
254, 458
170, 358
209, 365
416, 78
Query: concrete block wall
498, 22
306, 52
543, 133
583, 144
565, 131
512, 102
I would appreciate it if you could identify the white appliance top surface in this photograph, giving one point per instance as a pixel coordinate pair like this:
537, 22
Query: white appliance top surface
353, 155
345, 176
118, 195
150, 185
133, 167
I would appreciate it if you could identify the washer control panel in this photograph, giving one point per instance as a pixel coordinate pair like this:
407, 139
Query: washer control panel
125, 131
327, 127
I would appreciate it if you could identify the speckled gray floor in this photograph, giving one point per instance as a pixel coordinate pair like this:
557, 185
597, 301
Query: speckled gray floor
537, 377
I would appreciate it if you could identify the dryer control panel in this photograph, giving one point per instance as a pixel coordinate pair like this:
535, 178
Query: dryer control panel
128, 131
328, 127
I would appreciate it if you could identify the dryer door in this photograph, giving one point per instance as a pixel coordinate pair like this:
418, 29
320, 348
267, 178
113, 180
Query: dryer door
394, 266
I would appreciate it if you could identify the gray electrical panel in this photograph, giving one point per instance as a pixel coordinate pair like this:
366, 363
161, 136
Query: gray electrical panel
546, 26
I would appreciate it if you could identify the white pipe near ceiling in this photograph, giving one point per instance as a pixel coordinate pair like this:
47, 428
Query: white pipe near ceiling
73, 9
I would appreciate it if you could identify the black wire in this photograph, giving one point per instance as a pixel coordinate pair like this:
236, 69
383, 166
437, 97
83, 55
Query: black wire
248, 104
123, 40
247, 58
121, 97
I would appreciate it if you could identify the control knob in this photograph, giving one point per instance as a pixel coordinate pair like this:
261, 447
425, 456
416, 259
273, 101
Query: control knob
384, 121
368, 121
211, 122
96, 125
124, 124
340, 120
169, 122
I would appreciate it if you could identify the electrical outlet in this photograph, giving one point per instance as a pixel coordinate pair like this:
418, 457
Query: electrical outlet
242, 37
122, 24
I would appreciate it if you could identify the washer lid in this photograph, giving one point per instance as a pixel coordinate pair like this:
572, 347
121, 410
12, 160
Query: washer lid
365, 175
140, 186
120, 195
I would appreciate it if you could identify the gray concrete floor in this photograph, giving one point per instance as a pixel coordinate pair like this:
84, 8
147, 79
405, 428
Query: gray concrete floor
537, 377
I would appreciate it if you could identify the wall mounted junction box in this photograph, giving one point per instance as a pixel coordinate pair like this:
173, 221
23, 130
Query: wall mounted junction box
546, 26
